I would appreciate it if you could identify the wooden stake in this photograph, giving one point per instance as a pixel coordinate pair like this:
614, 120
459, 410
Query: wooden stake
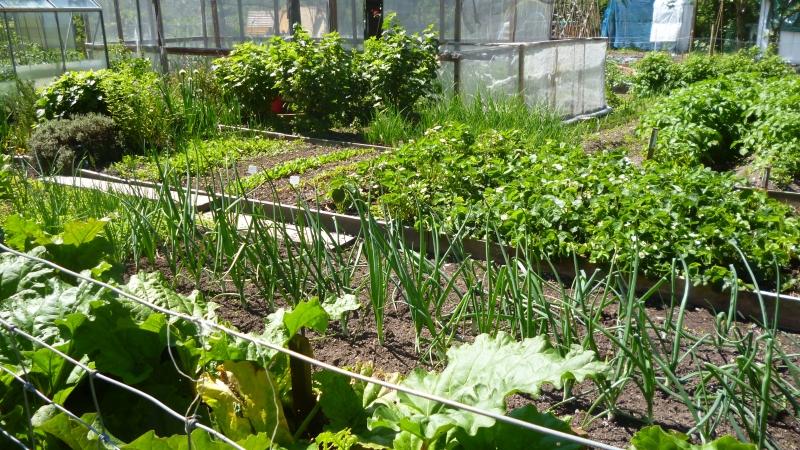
302, 395
711, 41
652, 147
765, 178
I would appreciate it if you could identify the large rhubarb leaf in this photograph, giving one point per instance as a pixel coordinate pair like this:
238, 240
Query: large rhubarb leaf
348, 403
202, 441
24, 235
36, 299
80, 246
154, 288
244, 400
482, 374
504, 436
654, 438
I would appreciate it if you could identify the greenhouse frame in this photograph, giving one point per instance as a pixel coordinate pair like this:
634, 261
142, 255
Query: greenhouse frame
45, 38
496, 46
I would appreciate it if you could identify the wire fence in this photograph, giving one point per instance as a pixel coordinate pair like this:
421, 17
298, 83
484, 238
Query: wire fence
191, 420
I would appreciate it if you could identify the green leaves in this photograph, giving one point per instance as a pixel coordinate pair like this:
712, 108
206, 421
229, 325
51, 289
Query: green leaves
245, 399
397, 70
654, 438
78, 247
482, 374
556, 200
307, 314
504, 436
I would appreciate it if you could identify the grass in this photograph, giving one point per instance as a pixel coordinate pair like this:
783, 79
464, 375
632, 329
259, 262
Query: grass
482, 113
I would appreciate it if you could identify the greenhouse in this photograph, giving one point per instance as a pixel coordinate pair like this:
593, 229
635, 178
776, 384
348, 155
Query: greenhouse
45, 38
497, 46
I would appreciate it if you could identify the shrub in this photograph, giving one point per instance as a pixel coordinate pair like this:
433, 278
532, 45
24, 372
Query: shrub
247, 76
314, 77
716, 122
397, 70
655, 73
58, 144
129, 96
72, 94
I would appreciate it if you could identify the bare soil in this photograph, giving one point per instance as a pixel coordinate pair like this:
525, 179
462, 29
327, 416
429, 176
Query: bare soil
398, 354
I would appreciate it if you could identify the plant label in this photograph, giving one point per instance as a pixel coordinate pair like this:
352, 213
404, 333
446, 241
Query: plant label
294, 180
252, 170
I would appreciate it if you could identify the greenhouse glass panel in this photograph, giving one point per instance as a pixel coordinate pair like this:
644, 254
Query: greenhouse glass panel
314, 17
260, 19
183, 23
147, 24
491, 70
18, 4
415, 15
350, 17
532, 22
85, 4
43, 39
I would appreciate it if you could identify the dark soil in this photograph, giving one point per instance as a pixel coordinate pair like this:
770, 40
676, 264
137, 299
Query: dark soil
398, 354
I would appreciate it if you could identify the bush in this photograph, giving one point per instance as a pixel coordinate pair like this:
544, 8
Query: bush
130, 96
247, 76
655, 73
717, 122
326, 85
59, 144
397, 70
313, 77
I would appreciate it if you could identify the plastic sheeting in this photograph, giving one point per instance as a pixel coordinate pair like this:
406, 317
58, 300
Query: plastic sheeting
481, 20
567, 76
649, 24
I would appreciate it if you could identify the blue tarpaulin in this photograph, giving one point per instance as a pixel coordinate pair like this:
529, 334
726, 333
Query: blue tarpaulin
628, 23
649, 24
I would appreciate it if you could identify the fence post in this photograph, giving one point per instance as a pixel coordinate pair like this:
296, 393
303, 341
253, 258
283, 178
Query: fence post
711, 41
302, 395
765, 178
652, 147
521, 74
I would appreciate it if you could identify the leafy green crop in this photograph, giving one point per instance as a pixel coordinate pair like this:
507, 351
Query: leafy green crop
300, 166
721, 121
202, 157
482, 374
558, 200
124, 339
657, 73
654, 438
